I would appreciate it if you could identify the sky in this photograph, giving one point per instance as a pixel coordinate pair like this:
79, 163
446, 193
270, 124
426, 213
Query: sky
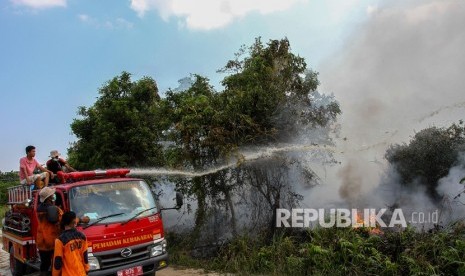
56, 54
399, 72
390, 64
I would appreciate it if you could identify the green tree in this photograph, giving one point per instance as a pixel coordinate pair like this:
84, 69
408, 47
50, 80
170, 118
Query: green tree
269, 95
7, 180
429, 156
190, 122
121, 128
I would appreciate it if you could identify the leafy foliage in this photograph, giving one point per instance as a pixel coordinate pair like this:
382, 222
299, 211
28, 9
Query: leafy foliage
269, 96
269, 81
7, 179
191, 122
120, 129
429, 155
337, 251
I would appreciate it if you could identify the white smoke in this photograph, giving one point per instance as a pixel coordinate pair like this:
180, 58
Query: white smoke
453, 191
399, 72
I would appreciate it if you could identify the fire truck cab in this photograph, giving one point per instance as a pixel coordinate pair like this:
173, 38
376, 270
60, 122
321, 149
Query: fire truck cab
124, 233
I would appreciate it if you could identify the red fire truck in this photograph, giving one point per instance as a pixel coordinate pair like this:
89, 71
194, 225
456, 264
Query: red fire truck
124, 232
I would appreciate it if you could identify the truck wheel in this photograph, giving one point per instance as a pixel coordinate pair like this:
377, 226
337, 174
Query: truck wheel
17, 268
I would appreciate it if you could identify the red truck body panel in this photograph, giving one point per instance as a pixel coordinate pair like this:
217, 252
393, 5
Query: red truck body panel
140, 234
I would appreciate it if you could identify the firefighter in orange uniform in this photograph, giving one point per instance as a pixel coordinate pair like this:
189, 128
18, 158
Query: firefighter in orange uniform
49, 217
70, 258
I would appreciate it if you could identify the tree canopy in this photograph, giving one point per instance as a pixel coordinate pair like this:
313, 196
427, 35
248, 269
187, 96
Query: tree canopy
429, 156
269, 96
121, 128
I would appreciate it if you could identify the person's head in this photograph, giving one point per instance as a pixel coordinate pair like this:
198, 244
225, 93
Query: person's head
54, 154
68, 220
31, 151
47, 194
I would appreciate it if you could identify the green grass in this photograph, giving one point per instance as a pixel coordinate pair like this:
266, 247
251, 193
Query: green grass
7, 179
3, 209
335, 251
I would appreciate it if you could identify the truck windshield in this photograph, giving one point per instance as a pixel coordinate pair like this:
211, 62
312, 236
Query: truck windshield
100, 200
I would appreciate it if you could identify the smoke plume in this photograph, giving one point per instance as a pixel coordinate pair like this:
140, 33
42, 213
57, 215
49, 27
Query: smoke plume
399, 72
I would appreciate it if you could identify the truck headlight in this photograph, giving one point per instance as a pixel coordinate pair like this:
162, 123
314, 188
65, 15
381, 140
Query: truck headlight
93, 263
158, 249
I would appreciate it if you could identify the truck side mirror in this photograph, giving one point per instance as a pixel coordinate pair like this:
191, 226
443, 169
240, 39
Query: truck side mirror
179, 200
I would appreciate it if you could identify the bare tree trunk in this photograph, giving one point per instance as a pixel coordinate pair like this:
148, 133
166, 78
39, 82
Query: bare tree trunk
233, 212
201, 208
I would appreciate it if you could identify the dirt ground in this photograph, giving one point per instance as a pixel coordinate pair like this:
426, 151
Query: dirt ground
169, 271
173, 271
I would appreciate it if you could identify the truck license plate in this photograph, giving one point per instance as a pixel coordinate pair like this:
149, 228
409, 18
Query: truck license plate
133, 271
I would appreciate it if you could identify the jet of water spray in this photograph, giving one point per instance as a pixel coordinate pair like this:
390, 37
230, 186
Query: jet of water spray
441, 109
240, 157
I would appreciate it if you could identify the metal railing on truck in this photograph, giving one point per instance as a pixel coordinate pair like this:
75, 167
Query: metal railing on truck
19, 194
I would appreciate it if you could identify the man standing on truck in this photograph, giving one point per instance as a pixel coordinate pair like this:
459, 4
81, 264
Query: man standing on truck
56, 164
49, 217
28, 164
70, 258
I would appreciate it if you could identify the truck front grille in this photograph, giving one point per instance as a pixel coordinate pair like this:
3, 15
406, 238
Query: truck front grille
114, 258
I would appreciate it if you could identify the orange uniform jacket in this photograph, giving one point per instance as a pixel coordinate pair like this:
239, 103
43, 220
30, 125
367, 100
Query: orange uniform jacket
70, 258
47, 232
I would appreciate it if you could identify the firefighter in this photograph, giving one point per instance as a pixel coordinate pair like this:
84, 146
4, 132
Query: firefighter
70, 258
49, 217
